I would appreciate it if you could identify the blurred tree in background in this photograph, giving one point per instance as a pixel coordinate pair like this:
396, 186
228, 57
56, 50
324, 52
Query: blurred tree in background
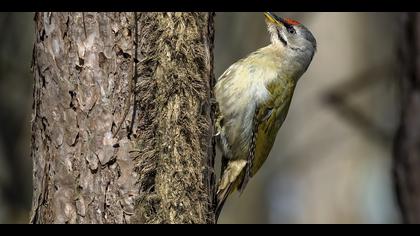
407, 142
16, 42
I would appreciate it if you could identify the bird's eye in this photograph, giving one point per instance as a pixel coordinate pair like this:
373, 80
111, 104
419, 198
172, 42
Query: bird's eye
291, 30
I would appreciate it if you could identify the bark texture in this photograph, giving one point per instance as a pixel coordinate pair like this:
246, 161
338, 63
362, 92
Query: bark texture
122, 119
407, 141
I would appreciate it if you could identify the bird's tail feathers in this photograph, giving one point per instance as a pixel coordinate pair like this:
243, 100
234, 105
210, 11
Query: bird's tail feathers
221, 199
228, 183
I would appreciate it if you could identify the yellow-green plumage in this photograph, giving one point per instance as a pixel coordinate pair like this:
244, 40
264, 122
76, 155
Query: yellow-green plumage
269, 126
253, 97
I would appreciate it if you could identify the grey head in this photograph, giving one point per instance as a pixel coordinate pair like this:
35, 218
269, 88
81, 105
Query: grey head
290, 33
298, 41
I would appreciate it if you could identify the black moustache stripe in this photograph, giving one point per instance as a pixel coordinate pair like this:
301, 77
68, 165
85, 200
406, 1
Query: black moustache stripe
281, 38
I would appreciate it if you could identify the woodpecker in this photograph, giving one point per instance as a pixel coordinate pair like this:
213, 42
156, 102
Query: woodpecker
253, 97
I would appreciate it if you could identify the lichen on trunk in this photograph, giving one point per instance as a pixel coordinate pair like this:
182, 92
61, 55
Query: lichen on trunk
172, 69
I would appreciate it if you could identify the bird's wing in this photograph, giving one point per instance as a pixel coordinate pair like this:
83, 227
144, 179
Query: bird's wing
271, 117
267, 121
251, 151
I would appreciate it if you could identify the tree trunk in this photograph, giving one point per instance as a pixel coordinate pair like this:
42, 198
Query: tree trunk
122, 119
407, 141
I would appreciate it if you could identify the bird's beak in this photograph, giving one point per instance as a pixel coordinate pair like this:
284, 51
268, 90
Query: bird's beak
271, 17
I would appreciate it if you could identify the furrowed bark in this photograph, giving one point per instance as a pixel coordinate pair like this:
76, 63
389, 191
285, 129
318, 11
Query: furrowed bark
122, 119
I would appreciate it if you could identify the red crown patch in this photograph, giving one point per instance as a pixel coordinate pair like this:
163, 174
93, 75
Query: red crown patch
291, 21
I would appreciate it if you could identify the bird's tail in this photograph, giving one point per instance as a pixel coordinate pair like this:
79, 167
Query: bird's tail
228, 183
221, 199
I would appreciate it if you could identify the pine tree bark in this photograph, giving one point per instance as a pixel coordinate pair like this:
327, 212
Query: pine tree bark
407, 141
122, 119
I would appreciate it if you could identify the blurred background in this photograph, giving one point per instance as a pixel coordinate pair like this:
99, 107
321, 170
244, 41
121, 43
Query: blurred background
16, 43
331, 162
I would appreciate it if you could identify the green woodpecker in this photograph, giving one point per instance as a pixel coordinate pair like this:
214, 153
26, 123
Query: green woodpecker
253, 96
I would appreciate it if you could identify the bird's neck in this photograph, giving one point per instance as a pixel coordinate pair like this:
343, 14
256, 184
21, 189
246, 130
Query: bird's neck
290, 62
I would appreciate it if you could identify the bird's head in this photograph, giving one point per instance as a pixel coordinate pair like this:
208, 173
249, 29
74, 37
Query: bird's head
289, 33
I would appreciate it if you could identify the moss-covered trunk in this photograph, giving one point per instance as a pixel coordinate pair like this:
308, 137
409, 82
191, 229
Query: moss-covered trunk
122, 119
